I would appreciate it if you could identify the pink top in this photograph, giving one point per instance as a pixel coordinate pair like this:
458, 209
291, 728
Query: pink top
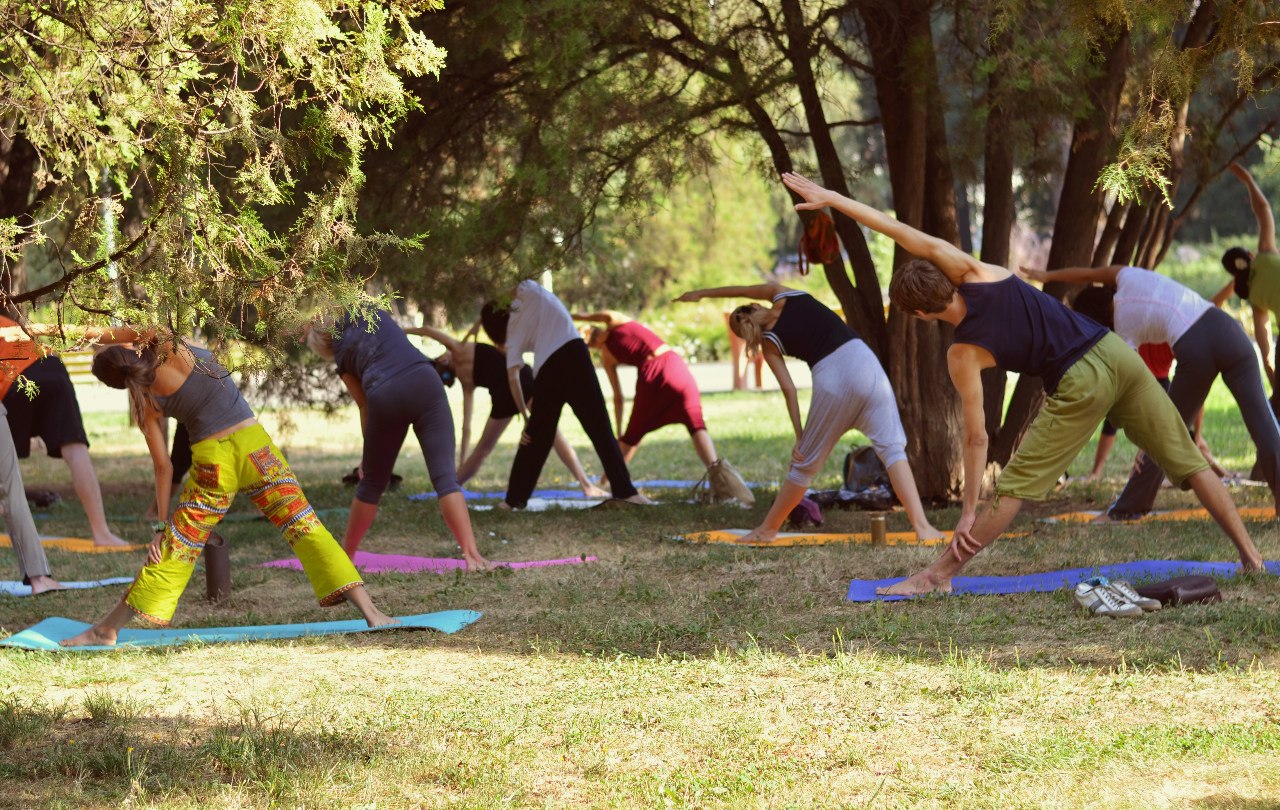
632, 343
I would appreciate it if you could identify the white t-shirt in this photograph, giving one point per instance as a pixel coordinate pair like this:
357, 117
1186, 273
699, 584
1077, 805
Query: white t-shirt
539, 323
1151, 308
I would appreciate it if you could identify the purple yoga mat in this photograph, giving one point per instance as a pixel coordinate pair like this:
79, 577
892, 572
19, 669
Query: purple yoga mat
371, 563
864, 590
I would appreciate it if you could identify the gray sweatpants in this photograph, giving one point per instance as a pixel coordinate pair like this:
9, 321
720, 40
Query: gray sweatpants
1215, 344
850, 391
17, 514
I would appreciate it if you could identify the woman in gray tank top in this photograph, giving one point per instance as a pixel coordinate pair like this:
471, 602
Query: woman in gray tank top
231, 453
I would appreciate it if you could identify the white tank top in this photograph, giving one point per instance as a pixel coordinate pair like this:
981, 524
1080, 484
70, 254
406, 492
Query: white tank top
1151, 308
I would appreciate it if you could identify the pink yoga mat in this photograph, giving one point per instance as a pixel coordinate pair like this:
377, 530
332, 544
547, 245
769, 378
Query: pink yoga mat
371, 563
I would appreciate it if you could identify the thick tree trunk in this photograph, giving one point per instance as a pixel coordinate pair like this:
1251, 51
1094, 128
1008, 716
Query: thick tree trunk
18, 163
901, 46
1075, 225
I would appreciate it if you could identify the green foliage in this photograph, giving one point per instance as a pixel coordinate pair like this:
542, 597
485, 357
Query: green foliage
233, 136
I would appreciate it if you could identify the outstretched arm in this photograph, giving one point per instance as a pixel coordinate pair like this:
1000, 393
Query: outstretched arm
951, 260
764, 292
443, 338
1102, 275
101, 334
609, 317
1261, 208
965, 362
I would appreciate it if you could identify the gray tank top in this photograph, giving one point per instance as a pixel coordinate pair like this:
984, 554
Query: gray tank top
208, 400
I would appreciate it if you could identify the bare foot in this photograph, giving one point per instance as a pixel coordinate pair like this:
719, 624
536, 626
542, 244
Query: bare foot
1102, 518
96, 636
639, 499
477, 564
376, 618
917, 584
758, 535
593, 491
929, 533
44, 585
108, 539
506, 507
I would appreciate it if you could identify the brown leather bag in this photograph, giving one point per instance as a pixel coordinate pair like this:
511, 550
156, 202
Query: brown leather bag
1182, 590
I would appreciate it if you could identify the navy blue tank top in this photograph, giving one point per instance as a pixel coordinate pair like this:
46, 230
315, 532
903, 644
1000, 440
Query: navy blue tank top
1026, 331
490, 373
374, 350
806, 329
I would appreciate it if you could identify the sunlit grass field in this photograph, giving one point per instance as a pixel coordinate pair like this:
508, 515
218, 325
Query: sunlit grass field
664, 674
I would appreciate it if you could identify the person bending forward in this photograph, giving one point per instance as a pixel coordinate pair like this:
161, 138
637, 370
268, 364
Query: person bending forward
1089, 374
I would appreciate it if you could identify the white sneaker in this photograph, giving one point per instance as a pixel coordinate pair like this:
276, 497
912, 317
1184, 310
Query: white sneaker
1096, 596
1127, 592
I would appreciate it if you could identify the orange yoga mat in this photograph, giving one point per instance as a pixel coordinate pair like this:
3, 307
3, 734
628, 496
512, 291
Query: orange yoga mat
1171, 515
79, 545
808, 538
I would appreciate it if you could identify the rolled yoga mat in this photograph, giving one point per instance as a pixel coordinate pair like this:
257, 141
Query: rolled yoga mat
1161, 516
79, 545
864, 590
807, 538
371, 563
13, 588
47, 634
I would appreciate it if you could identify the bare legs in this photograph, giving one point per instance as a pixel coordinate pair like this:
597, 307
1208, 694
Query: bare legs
89, 492
453, 507
904, 486
1105, 442
703, 447
937, 577
565, 451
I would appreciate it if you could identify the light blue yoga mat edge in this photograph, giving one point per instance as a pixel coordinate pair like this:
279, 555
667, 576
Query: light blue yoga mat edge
46, 634
15, 589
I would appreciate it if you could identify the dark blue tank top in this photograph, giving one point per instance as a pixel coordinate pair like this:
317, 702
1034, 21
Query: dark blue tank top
806, 329
374, 350
1026, 331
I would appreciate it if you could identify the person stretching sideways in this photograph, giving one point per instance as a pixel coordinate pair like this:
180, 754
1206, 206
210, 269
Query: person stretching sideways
537, 322
850, 390
666, 394
1146, 307
231, 453
476, 364
1088, 373
395, 386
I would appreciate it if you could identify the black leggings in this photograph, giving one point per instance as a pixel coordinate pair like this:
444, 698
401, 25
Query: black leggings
1215, 344
416, 398
566, 377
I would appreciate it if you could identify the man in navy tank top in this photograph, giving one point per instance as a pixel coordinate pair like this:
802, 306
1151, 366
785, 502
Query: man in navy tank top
1089, 374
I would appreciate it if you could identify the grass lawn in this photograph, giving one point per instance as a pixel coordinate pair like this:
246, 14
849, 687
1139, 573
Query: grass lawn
663, 675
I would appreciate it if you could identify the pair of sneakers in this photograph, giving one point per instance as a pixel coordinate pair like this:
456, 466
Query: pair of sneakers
1103, 597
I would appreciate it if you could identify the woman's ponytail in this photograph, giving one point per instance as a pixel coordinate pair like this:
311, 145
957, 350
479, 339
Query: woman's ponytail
745, 327
130, 370
1237, 261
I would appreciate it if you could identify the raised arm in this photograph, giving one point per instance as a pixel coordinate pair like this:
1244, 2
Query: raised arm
609, 317
778, 365
100, 334
763, 292
1261, 208
443, 338
1086, 275
951, 260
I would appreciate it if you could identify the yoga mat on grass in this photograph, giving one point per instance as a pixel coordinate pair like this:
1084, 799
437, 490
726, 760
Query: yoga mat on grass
9, 587
545, 504
1163, 516
79, 545
576, 494
807, 538
47, 634
864, 590
371, 563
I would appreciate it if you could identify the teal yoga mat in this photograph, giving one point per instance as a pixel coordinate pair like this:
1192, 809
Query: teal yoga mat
47, 634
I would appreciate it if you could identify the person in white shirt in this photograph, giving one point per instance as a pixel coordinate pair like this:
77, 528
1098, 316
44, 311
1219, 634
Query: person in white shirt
1146, 307
563, 374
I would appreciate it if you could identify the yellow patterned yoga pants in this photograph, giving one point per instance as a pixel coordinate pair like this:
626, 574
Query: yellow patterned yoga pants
246, 461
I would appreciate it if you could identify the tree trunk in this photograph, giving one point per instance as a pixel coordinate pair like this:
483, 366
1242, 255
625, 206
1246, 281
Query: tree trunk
1075, 225
901, 45
18, 163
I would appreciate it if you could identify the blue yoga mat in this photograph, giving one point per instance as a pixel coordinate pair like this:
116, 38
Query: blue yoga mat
10, 587
47, 634
864, 590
